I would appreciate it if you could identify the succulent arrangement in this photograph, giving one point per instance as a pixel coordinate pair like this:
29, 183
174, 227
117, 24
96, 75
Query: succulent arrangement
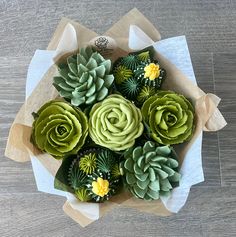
113, 127
90, 175
137, 73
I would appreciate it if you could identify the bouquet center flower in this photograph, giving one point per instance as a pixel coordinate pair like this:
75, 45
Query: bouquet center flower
100, 187
152, 71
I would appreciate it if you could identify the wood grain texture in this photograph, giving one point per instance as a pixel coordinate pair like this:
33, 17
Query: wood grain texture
210, 28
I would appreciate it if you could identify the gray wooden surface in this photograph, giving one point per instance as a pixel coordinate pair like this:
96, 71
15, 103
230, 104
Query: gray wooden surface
210, 28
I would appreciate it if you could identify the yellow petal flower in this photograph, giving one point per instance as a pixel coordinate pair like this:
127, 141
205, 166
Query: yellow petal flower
152, 71
100, 187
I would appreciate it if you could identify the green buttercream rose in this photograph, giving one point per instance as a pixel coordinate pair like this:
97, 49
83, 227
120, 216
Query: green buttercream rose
169, 116
59, 129
115, 123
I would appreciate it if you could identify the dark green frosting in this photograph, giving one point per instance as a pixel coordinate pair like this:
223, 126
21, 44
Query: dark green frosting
136, 72
130, 88
139, 74
91, 164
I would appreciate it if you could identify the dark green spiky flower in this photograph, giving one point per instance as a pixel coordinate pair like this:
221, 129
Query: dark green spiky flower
145, 93
121, 74
151, 170
131, 61
85, 78
101, 185
144, 77
130, 88
150, 74
76, 177
90, 175
106, 160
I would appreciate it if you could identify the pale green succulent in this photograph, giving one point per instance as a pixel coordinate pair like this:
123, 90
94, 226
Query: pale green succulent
151, 171
115, 123
59, 129
169, 117
85, 78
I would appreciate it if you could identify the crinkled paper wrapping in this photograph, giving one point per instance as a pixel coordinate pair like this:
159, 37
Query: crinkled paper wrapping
132, 32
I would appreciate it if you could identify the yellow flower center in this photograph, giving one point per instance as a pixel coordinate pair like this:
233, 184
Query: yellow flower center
100, 187
152, 71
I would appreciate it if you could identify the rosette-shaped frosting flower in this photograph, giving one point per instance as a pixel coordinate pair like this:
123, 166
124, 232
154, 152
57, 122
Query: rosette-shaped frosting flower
169, 116
85, 78
59, 129
151, 170
115, 123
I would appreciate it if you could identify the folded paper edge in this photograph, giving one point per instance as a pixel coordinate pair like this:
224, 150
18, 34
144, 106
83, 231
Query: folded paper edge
62, 47
76, 215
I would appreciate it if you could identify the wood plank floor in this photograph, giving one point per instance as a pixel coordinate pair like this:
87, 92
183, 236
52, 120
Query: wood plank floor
210, 28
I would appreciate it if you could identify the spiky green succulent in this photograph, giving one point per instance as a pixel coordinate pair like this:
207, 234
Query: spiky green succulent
145, 93
76, 177
130, 88
138, 75
106, 160
145, 75
83, 194
85, 78
144, 56
121, 74
169, 117
151, 170
90, 164
131, 61
94, 180
116, 171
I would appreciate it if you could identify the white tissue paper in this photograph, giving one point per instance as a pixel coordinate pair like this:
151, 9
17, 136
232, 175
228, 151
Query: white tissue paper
176, 51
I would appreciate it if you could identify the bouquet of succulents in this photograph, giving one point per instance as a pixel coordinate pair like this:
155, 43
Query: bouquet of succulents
115, 126
120, 126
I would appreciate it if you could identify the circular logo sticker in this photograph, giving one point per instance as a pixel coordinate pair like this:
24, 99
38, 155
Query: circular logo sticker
105, 45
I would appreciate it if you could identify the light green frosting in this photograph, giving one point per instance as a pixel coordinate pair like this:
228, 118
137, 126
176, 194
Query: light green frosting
169, 116
151, 170
59, 129
85, 78
115, 123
